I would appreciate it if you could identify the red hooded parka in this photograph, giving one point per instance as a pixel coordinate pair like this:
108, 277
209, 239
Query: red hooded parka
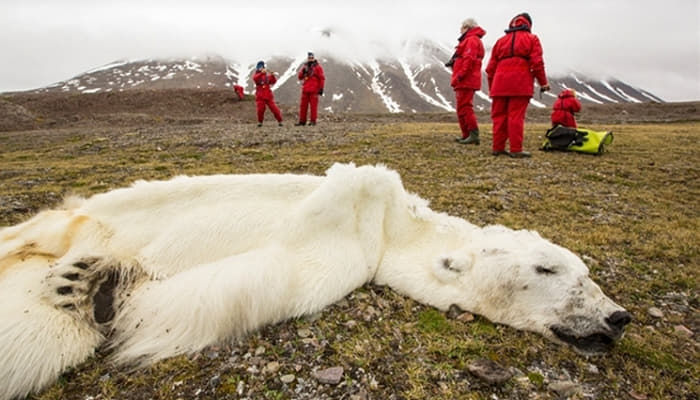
263, 81
516, 60
313, 77
466, 71
564, 108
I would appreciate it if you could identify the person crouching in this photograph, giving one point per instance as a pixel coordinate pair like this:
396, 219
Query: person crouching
564, 108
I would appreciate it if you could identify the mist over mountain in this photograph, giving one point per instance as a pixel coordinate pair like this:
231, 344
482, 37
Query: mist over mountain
413, 79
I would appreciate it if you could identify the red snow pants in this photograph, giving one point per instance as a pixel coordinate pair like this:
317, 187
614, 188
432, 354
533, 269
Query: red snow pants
261, 103
465, 111
308, 99
508, 115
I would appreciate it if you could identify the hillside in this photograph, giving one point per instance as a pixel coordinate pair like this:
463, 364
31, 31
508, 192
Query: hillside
412, 83
28, 110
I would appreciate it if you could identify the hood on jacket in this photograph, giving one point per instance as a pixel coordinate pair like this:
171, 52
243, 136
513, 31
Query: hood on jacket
473, 31
521, 22
567, 93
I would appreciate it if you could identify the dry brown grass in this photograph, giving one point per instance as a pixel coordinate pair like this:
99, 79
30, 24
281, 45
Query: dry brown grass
632, 214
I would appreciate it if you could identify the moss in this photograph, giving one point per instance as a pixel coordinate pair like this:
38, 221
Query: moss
653, 357
536, 379
432, 321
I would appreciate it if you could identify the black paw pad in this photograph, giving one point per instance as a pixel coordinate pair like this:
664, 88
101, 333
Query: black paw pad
64, 290
72, 276
81, 265
104, 298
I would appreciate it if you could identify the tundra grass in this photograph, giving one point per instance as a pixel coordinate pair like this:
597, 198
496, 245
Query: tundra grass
631, 214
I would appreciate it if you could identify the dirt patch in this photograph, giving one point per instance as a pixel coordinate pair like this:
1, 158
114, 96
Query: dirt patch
15, 117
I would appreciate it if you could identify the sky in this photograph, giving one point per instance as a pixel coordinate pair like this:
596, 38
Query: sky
652, 45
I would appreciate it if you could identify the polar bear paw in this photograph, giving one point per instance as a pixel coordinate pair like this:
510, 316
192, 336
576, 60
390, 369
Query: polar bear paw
71, 286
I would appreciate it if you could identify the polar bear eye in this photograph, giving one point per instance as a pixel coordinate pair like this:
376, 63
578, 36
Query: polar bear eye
544, 270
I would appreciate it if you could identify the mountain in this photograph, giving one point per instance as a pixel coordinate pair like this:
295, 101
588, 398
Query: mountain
417, 81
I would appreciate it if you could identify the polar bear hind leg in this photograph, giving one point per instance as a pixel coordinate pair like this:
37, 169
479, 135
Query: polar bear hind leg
53, 300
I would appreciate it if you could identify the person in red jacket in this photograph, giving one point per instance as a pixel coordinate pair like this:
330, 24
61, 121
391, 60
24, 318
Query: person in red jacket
564, 108
263, 94
466, 78
313, 82
516, 60
239, 91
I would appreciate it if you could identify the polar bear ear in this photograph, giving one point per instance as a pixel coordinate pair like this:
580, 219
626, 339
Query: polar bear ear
448, 269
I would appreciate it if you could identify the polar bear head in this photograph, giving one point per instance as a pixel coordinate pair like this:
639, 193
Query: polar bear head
519, 279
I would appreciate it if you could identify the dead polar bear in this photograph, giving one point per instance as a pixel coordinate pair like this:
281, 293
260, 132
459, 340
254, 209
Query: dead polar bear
169, 267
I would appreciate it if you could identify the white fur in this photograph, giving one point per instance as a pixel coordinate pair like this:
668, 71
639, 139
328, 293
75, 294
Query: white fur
206, 259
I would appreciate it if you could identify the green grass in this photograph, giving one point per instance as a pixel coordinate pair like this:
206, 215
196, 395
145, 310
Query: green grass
633, 214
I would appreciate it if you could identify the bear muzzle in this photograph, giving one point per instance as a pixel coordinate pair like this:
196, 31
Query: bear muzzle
597, 341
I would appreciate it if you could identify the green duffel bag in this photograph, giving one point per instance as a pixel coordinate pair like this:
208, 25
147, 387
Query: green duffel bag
577, 139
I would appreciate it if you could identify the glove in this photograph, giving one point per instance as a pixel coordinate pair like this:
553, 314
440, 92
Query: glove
320, 92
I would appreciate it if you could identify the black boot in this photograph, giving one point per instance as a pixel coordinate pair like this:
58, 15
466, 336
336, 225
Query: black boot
520, 154
473, 138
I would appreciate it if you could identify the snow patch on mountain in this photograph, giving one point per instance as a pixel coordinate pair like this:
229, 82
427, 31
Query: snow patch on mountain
600, 95
483, 96
444, 104
108, 66
380, 89
537, 103
649, 96
620, 93
586, 96
290, 72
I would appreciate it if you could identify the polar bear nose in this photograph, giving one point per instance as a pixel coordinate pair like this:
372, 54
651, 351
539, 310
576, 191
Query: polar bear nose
619, 319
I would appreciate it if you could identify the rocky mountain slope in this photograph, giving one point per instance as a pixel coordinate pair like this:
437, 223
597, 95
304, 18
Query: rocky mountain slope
415, 82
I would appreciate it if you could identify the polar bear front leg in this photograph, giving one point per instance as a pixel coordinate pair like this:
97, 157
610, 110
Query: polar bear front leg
41, 335
89, 288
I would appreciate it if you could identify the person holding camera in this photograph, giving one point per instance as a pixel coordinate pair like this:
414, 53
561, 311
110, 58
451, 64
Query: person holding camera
263, 93
516, 61
466, 78
313, 81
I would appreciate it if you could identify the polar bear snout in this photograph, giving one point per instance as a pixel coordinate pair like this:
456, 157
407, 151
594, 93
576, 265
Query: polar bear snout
618, 320
590, 338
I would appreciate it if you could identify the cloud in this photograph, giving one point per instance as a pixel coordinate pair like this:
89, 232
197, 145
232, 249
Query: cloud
650, 44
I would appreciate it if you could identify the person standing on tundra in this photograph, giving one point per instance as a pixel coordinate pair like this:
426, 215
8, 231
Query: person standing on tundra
564, 108
263, 94
516, 61
466, 78
313, 81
